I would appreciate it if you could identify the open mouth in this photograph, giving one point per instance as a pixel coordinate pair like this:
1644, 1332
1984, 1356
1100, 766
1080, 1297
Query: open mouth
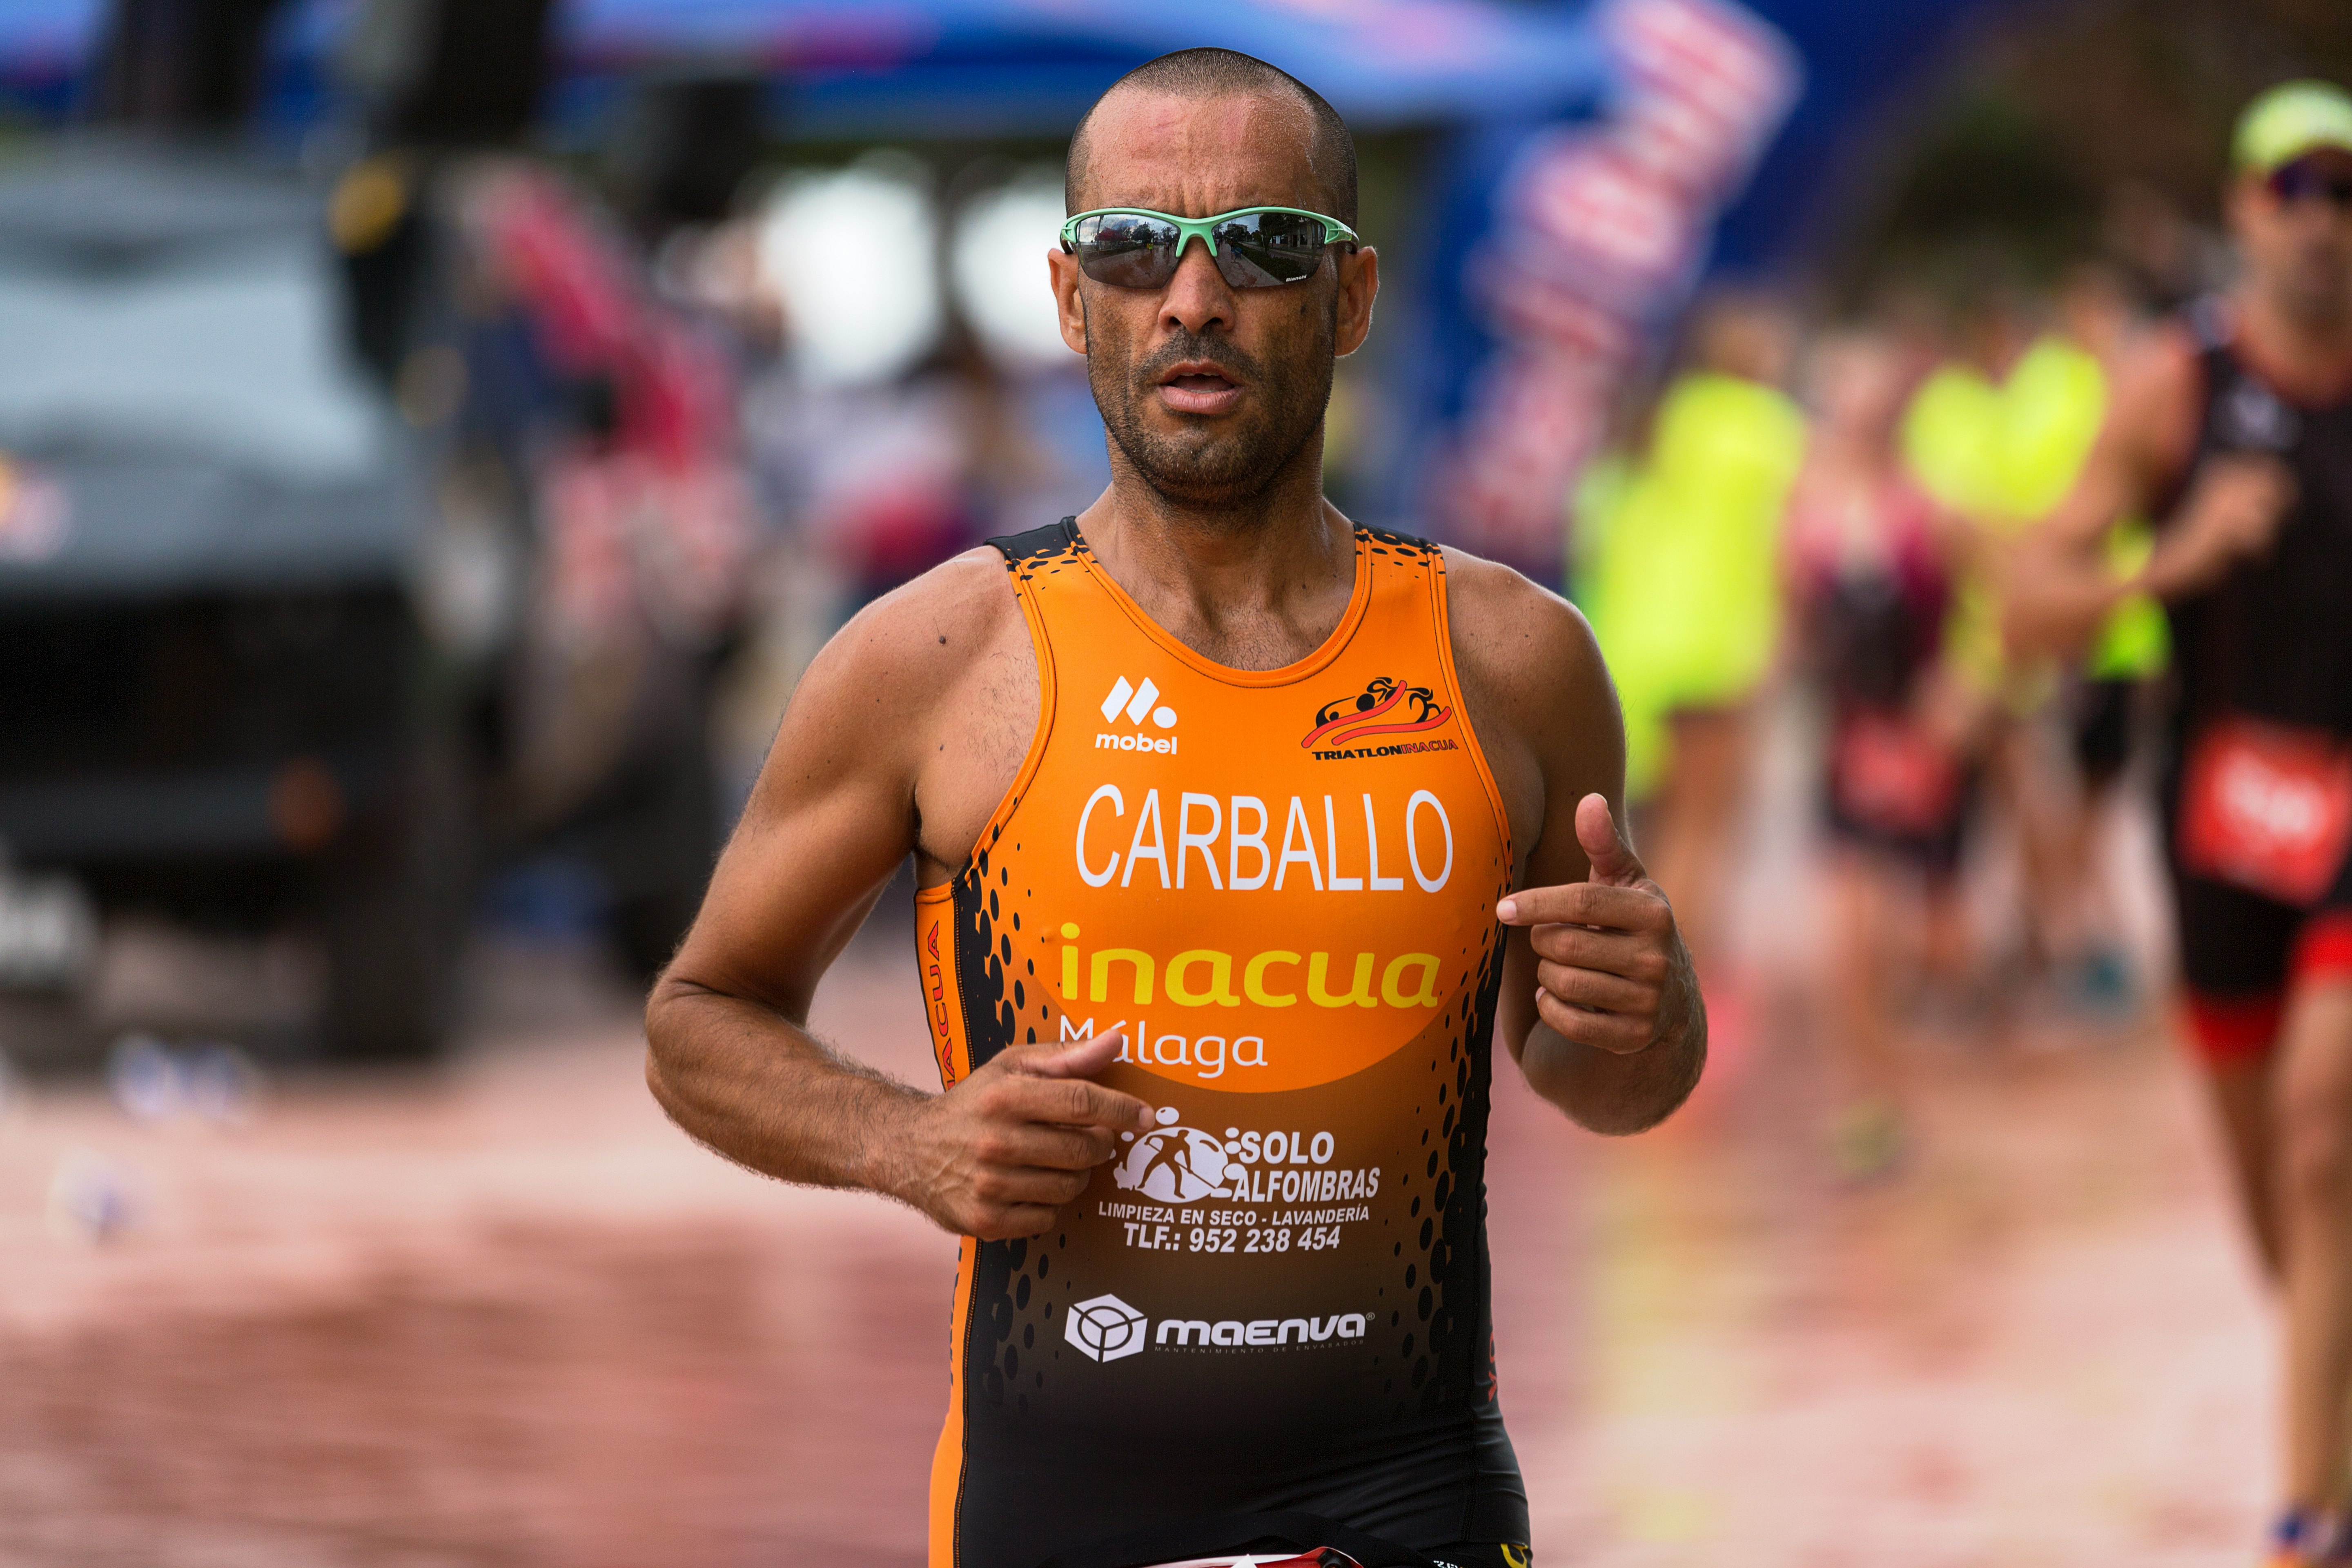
1196, 387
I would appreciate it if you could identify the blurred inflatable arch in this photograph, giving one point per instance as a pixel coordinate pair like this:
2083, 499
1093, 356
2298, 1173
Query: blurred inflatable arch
1589, 163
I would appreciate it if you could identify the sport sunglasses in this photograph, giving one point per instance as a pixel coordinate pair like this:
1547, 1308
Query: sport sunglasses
2308, 179
1253, 247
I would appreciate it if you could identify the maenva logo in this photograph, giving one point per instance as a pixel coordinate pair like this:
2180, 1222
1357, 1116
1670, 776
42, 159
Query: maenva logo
1133, 702
1105, 1328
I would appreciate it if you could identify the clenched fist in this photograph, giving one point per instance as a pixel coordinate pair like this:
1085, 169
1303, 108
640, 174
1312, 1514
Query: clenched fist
2232, 513
997, 1155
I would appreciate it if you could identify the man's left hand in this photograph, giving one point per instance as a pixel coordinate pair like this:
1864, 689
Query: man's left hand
1611, 969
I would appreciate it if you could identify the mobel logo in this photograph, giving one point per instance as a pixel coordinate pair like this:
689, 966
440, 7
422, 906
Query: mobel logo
1132, 703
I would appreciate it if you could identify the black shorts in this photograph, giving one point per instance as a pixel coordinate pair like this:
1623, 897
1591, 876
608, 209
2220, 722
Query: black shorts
1936, 853
2100, 716
1267, 1534
1930, 837
2241, 952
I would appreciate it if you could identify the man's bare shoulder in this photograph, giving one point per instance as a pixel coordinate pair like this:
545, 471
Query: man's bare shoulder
2159, 383
1537, 692
876, 692
927, 697
2160, 366
1512, 637
916, 645
924, 632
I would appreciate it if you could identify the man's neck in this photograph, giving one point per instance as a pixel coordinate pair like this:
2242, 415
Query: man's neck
1253, 585
2307, 354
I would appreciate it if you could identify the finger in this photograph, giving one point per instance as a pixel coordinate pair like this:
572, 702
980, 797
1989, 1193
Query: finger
1601, 993
1613, 860
1633, 955
1591, 904
1027, 1185
1078, 1060
1060, 1148
1609, 1032
1072, 1102
1074, 1059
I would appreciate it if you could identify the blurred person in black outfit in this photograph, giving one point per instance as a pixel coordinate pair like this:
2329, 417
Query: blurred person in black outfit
2233, 431
1870, 586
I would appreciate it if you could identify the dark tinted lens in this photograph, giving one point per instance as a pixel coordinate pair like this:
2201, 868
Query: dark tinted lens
2312, 181
1126, 250
1264, 249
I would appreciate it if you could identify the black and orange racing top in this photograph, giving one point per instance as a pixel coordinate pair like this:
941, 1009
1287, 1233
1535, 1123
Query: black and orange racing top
1280, 886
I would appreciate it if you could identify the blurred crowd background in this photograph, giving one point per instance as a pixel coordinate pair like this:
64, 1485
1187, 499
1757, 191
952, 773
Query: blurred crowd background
435, 434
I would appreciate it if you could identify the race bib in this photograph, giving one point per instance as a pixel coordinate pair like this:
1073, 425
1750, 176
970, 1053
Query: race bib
1893, 775
2267, 807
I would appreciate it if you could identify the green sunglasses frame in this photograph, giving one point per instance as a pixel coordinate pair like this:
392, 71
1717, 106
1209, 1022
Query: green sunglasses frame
1187, 229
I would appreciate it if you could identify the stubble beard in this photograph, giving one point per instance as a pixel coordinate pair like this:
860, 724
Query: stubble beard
2319, 293
2309, 285
1224, 463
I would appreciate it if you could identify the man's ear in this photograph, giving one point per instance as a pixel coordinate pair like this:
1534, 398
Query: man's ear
1359, 285
1062, 271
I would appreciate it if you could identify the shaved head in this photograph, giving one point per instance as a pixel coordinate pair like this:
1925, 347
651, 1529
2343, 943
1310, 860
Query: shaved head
1204, 74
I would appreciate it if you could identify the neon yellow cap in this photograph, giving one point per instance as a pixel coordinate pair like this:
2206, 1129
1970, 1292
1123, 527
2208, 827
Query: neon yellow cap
2290, 119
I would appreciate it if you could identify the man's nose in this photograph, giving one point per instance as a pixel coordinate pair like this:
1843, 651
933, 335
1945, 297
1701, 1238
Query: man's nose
1198, 294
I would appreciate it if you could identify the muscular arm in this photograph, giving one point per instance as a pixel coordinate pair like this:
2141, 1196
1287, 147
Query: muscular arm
2060, 586
899, 740
1618, 1037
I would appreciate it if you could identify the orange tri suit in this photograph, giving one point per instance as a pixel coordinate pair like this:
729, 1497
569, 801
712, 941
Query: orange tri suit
1280, 886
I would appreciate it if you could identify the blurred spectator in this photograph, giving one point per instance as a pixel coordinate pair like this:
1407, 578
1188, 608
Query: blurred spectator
2105, 695
1869, 583
1684, 595
612, 421
881, 479
1997, 435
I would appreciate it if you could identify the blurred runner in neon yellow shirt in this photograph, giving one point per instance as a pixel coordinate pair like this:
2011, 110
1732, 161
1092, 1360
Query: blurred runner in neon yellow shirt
2002, 455
1681, 582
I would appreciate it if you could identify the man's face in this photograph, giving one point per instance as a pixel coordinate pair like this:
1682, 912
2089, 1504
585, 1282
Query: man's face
1207, 389
2297, 235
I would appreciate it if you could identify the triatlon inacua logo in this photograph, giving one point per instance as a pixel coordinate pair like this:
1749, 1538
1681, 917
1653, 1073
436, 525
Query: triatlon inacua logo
1383, 708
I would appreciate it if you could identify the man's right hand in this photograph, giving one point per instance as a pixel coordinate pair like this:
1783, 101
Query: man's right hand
2233, 514
998, 1155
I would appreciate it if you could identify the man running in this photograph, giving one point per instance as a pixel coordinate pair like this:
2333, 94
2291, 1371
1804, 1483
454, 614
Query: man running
2236, 431
1194, 871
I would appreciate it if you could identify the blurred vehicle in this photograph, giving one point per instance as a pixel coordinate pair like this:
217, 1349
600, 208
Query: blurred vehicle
267, 610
